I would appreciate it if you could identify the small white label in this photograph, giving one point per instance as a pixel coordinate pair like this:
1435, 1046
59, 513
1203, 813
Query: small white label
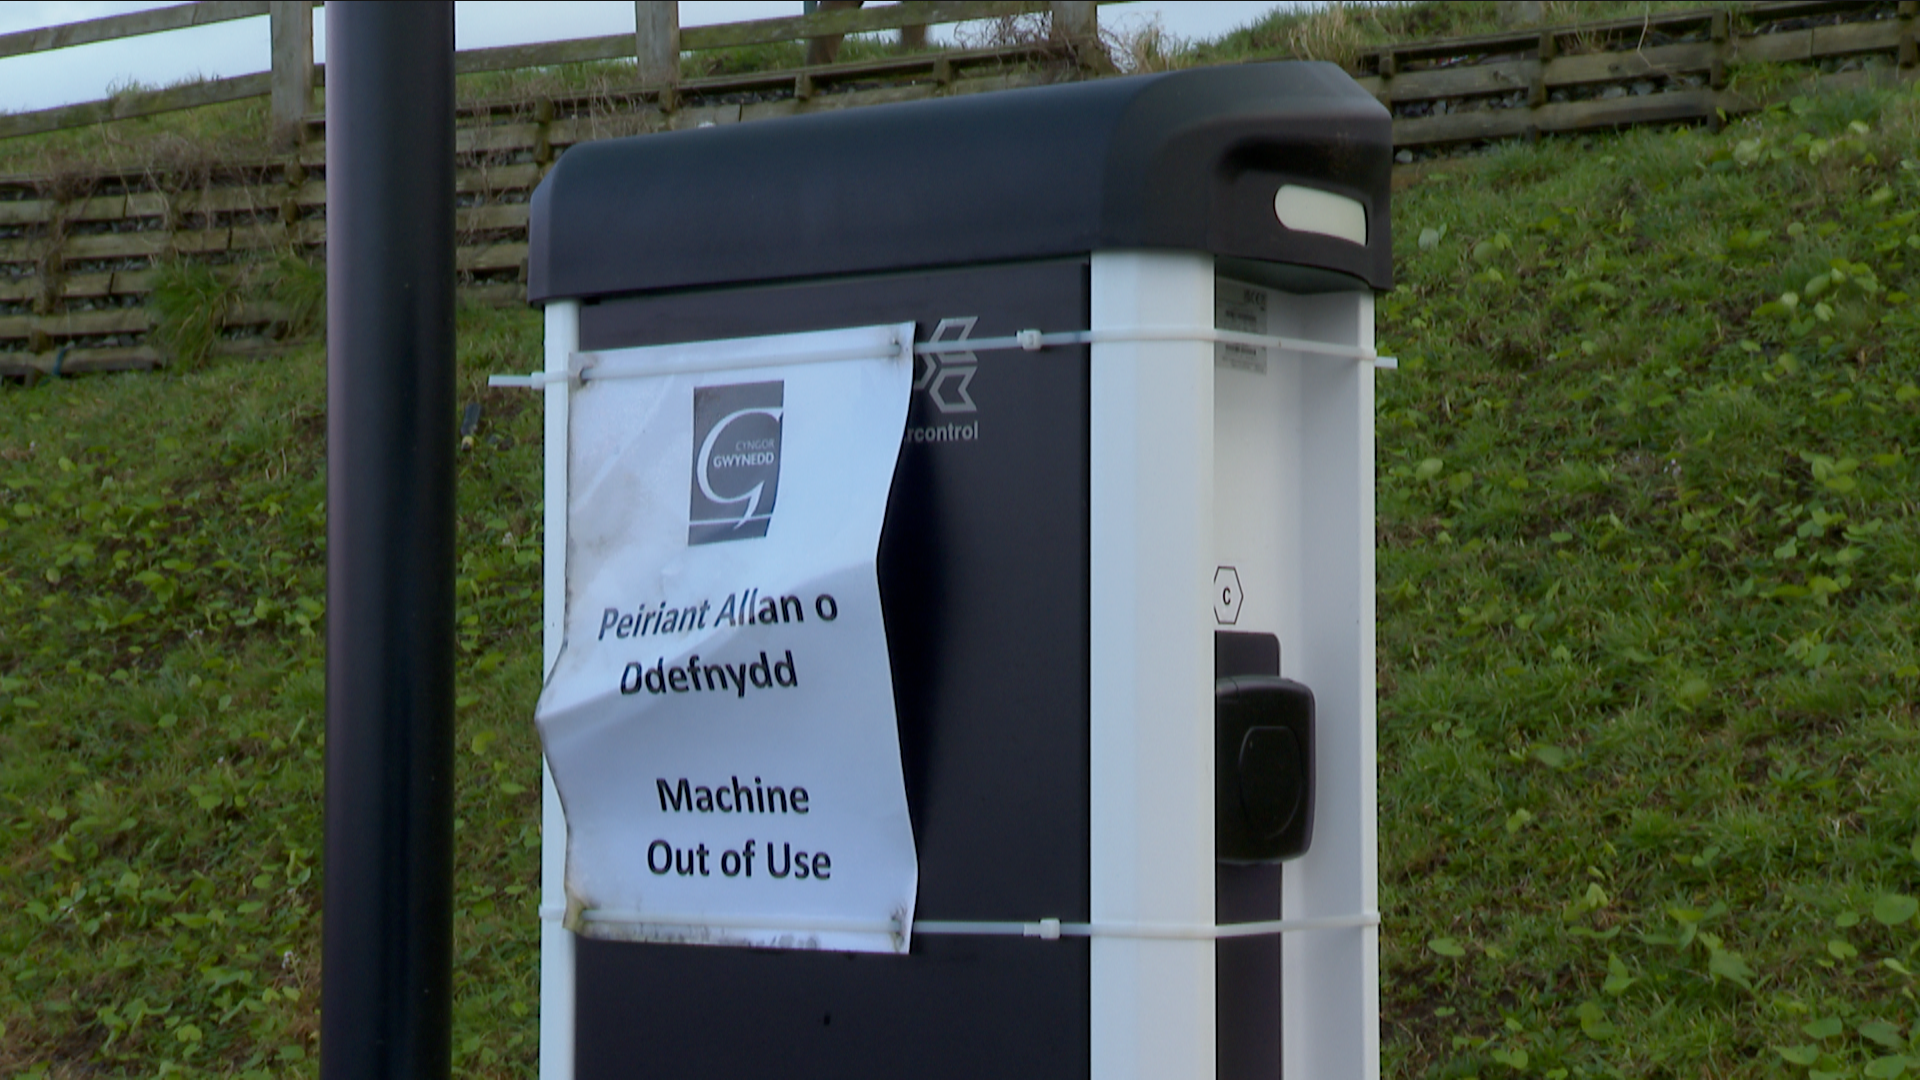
1241, 308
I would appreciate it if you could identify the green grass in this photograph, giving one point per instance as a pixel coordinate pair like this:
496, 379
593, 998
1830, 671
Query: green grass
185, 145
1648, 571
1339, 32
188, 303
1650, 773
161, 716
191, 300
618, 76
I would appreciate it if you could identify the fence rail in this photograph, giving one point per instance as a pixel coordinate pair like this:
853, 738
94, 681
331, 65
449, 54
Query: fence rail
1673, 67
657, 44
78, 254
114, 27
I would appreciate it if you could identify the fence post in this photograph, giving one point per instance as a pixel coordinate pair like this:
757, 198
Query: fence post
656, 44
290, 24
1076, 25
1074, 20
913, 38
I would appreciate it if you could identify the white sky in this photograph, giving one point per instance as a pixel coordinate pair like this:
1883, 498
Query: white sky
88, 72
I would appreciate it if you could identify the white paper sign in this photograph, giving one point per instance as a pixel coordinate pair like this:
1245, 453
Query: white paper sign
720, 720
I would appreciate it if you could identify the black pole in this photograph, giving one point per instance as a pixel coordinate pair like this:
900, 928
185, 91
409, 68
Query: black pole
387, 951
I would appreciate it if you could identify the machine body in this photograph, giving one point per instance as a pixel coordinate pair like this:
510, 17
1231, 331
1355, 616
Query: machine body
1127, 579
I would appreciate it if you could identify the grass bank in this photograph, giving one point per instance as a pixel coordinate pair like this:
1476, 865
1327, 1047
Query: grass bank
162, 672
1647, 572
1648, 563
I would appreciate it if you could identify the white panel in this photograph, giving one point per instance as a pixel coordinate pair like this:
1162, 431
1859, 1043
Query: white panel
1257, 474
1305, 209
1332, 996
1152, 666
556, 943
1293, 514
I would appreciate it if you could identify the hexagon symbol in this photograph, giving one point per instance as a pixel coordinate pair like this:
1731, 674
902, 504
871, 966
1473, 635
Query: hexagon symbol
1226, 596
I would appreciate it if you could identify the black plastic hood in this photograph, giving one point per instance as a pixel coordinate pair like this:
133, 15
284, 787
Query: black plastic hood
1187, 160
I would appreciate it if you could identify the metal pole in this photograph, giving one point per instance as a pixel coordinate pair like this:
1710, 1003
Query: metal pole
388, 929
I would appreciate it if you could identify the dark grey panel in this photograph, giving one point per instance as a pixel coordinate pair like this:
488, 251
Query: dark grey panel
1246, 970
983, 573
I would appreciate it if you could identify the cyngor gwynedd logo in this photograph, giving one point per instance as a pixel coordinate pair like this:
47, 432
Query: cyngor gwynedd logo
736, 461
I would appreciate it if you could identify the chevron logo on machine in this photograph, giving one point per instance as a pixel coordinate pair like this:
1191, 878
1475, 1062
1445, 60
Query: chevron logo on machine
947, 377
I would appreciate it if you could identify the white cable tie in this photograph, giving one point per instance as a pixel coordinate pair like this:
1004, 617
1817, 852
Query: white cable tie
612, 364
539, 380
1025, 340
976, 929
1032, 340
1235, 930
594, 367
886, 342
1233, 337
821, 924
1044, 929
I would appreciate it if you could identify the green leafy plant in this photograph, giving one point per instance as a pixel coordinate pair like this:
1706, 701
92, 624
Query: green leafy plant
300, 288
189, 306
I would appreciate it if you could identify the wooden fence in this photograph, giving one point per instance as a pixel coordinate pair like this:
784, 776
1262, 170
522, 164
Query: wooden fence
1667, 68
656, 45
78, 255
